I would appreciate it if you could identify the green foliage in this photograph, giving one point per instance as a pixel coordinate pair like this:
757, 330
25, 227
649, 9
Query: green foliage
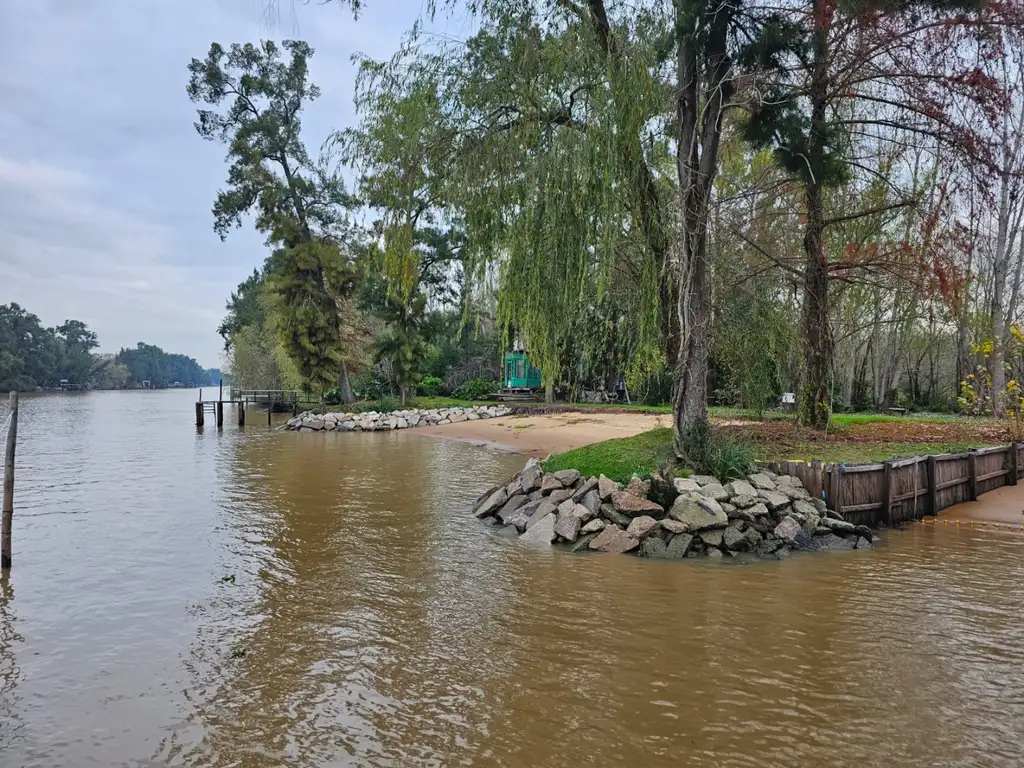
430, 386
709, 452
619, 459
476, 389
146, 362
385, 404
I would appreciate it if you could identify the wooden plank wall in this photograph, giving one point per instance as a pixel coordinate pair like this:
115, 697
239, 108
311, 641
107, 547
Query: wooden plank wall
907, 489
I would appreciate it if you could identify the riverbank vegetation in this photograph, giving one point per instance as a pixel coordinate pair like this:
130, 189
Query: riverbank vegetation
33, 357
715, 204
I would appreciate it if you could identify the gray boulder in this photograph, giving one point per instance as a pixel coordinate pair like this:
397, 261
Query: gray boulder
662, 492
790, 531
568, 526
559, 495
641, 527
673, 526
606, 487
653, 547
567, 476
831, 541
591, 500
613, 539
698, 515
685, 484
738, 514
753, 538
838, 526
703, 480
508, 530
582, 543
734, 539
744, 501
716, 492
513, 504
774, 499
864, 532
609, 512
493, 504
712, 538
863, 543
679, 546
594, 526
714, 553
551, 483
806, 508
542, 531
539, 514
762, 481
587, 487
529, 478
638, 487
741, 488
633, 506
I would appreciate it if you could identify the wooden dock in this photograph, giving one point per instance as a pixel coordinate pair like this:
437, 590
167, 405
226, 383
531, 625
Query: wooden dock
274, 400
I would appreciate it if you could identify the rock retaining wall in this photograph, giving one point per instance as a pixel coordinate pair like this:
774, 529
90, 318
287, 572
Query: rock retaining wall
372, 421
765, 514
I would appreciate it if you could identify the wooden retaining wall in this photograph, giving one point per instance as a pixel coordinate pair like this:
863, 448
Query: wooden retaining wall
907, 489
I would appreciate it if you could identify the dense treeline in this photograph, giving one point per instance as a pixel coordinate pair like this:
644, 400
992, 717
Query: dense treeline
720, 203
33, 356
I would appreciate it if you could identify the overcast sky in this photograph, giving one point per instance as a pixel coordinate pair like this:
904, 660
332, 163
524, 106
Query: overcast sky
106, 189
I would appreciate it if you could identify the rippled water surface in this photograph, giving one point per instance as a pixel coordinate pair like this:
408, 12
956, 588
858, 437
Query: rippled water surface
261, 599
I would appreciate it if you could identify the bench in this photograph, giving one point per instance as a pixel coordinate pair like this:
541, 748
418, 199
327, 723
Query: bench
898, 411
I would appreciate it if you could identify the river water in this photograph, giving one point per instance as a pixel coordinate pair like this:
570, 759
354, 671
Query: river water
260, 598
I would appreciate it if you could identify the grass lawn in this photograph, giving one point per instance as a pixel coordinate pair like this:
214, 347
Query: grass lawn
618, 459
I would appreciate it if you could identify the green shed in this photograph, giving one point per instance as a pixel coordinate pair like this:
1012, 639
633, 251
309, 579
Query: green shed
519, 374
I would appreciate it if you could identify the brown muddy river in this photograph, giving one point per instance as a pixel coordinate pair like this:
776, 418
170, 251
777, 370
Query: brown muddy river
368, 620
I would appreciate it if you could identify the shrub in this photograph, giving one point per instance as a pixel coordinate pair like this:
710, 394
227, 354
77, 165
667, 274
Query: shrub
710, 453
430, 386
385, 404
476, 389
332, 396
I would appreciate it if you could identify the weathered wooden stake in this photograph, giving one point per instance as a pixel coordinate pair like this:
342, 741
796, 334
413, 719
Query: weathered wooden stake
270, 411
8, 506
972, 476
220, 414
1013, 464
241, 414
887, 493
933, 491
200, 418
220, 392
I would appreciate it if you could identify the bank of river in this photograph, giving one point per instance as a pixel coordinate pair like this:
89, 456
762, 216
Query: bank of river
369, 619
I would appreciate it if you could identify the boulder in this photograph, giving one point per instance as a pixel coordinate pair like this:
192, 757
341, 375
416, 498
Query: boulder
741, 488
567, 476
703, 480
673, 526
738, 514
774, 499
712, 538
714, 553
819, 504
559, 495
679, 546
685, 484
794, 492
638, 487
583, 514
493, 504
806, 508
744, 501
653, 547
568, 526
863, 543
790, 531
864, 532
541, 531
662, 492
762, 481
613, 539
594, 526
838, 526
485, 496
587, 487
539, 514
608, 511
641, 527
782, 553
508, 530
782, 480
734, 539
591, 500
551, 483
698, 515
715, 491
521, 517
633, 506
529, 478
754, 539
606, 487
768, 546
315, 424
831, 541
514, 503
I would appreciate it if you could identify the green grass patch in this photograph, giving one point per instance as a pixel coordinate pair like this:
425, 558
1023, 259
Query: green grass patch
863, 453
844, 419
618, 459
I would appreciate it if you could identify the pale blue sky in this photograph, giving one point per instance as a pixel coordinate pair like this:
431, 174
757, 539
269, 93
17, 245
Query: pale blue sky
105, 188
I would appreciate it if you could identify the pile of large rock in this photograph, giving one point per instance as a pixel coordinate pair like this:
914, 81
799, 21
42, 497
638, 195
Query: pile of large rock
767, 515
372, 421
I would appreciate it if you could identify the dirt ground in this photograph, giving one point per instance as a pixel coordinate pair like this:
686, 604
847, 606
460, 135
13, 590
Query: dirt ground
546, 434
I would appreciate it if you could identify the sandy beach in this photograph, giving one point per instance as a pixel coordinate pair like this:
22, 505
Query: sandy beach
550, 433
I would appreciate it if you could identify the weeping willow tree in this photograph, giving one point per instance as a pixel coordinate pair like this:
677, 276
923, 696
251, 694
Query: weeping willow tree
576, 143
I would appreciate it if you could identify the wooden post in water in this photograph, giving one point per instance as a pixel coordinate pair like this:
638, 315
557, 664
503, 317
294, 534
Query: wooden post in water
241, 414
8, 504
220, 392
220, 414
270, 410
200, 418
886, 516
972, 476
933, 491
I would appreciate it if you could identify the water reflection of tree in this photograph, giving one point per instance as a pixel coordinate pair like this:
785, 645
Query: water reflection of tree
10, 672
345, 600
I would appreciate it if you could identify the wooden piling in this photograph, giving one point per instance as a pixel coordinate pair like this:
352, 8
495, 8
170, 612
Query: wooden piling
200, 418
933, 487
972, 476
8, 503
270, 411
220, 414
241, 414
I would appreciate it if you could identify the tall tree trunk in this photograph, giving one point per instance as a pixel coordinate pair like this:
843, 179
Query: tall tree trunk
344, 386
703, 70
815, 402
